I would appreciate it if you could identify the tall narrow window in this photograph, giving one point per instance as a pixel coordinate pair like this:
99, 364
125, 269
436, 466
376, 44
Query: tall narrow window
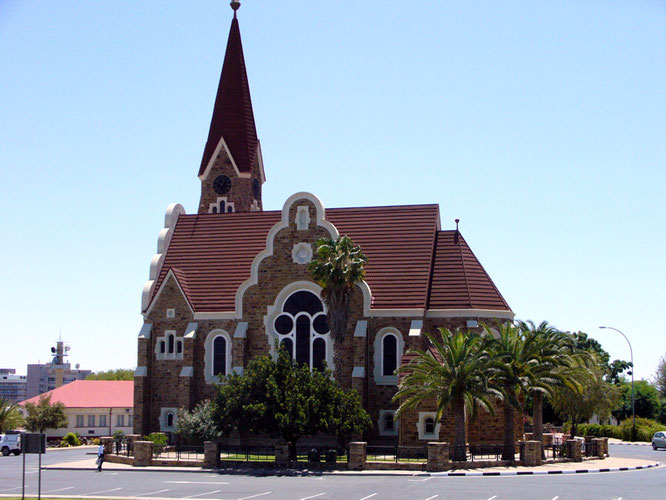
179, 347
169, 420
388, 422
219, 356
429, 426
303, 339
170, 340
390, 354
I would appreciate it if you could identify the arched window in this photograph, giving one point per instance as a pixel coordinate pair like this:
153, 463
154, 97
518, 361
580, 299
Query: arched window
388, 349
170, 340
219, 356
429, 427
302, 328
169, 419
389, 354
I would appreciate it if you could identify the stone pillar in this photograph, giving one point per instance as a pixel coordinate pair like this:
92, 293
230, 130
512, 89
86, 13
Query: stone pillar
143, 453
603, 442
438, 456
601, 452
108, 445
529, 436
574, 450
357, 455
131, 439
547, 439
211, 454
282, 455
530, 453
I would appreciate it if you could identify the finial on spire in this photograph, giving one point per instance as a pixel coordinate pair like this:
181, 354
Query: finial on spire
235, 5
456, 236
457, 220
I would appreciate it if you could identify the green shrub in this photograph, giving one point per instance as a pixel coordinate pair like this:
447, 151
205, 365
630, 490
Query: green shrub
119, 436
70, 439
645, 428
159, 441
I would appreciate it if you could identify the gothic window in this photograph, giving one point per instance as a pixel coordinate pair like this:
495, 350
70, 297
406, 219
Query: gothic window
169, 419
429, 427
170, 340
219, 356
388, 424
302, 328
389, 354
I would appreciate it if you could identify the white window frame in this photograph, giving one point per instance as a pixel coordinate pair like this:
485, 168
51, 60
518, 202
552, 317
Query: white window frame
420, 426
163, 419
91, 421
166, 354
120, 420
208, 354
380, 423
378, 358
102, 421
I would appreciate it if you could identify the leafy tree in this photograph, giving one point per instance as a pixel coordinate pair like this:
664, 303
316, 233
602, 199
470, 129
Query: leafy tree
612, 371
10, 416
646, 401
338, 266
283, 398
453, 371
44, 415
589, 395
119, 374
660, 377
198, 425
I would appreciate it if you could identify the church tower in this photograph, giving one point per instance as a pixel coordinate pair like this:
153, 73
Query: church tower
232, 171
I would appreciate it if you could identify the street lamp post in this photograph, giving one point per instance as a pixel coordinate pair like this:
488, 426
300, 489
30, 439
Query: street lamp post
633, 407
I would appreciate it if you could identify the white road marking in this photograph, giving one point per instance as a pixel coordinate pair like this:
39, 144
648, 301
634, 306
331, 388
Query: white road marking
421, 480
555, 498
430, 498
195, 482
313, 496
203, 494
152, 493
369, 496
103, 491
61, 489
10, 489
257, 495
493, 497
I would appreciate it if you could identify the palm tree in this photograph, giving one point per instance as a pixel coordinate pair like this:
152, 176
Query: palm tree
554, 355
516, 358
452, 371
338, 266
10, 416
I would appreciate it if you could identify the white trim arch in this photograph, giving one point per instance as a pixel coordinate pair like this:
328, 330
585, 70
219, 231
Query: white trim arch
209, 353
378, 358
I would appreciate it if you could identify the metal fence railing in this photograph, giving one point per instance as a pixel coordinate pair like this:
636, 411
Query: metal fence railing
397, 454
554, 451
478, 453
179, 452
122, 448
321, 455
247, 454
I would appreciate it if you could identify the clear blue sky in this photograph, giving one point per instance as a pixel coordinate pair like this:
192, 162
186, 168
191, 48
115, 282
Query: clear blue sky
541, 125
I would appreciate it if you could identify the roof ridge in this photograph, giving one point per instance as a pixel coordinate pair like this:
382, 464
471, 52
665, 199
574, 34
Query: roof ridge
463, 264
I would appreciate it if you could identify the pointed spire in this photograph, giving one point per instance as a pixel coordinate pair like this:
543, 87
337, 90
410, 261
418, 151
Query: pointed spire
233, 118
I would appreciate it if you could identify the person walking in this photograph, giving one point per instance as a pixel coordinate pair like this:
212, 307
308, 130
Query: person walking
100, 457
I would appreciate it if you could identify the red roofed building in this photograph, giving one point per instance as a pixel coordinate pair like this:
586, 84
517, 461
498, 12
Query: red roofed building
93, 407
230, 280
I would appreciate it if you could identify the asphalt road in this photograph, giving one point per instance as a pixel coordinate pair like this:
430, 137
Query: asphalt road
642, 485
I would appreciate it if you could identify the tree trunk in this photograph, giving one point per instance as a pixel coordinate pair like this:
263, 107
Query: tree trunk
509, 449
537, 420
537, 416
459, 452
293, 457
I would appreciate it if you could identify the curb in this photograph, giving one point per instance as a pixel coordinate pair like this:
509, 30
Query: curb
384, 473
543, 472
623, 443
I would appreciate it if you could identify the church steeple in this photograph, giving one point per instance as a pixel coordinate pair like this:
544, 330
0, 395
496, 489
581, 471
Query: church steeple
231, 170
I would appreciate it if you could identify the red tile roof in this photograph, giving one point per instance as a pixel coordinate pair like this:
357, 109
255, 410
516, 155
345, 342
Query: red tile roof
91, 394
410, 263
459, 281
233, 118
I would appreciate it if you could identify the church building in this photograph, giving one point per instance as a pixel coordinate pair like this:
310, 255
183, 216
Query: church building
230, 279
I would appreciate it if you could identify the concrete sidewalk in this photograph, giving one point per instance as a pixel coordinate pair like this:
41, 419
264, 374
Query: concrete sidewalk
610, 464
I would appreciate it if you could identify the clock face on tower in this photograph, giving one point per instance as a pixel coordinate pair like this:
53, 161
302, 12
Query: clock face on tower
222, 184
256, 189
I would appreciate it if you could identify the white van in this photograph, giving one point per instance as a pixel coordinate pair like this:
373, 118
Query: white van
10, 443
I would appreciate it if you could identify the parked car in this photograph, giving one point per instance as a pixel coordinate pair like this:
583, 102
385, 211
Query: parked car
10, 443
659, 440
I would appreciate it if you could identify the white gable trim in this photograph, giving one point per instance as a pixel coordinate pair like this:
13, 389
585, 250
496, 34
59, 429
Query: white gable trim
211, 162
268, 251
469, 313
170, 274
260, 161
